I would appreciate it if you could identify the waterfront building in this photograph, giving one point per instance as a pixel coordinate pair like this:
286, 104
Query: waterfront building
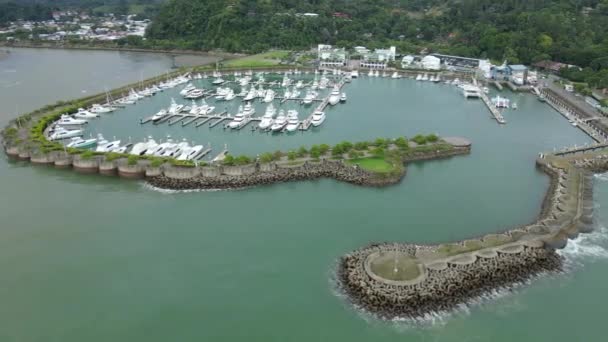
328, 56
378, 59
407, 61
430, 63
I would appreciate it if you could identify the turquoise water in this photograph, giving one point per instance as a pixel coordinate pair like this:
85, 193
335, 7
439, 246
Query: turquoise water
89, 258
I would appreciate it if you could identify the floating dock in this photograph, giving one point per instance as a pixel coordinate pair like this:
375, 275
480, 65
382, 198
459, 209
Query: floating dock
304, 125
495, 112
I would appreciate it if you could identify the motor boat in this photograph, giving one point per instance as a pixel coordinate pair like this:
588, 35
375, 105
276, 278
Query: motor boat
292, 120
78, 142
251, 94
425, 77
85, 114
334, 97
317, 118
419, 77
343, 97
190, 152
175, 108
249, 110
280, 122
269, 96
141, 148
99, 109
67, 120
310, 96
62, 133
230, 95
160, 148
268, 118
370, 73
161, 114
187, 89
354, 74
194, 94
395, 75
194, 109
220, 93
218, 81
177, 149
299, 84
514, 105
287, 94
204, 108
104, 145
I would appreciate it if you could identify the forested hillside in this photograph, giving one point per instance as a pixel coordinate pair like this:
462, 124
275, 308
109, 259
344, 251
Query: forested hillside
572, 31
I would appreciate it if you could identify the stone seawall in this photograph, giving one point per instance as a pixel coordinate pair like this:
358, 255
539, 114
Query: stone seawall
309, 171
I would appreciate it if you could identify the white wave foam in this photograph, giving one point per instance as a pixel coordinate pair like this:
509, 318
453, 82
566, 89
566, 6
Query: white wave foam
601, 176
148, 186
587, 246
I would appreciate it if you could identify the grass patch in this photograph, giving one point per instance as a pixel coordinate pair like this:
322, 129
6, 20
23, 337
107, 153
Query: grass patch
386, 263
266, 59
374, 164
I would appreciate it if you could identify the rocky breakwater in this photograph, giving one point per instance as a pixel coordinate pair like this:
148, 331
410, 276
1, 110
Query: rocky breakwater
260, 175
439, 285
414, 281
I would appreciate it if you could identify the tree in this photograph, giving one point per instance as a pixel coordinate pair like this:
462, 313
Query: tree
302, 151
323, 149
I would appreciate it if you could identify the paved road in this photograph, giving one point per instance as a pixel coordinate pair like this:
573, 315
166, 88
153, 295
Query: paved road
578, 101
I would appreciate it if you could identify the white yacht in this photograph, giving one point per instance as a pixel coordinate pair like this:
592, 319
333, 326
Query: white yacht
280, 122
299, 84
218, 81
194, 109
104, 145
500, 102
370, 73
187, 89
78, 142
175, 108
230, 95
204, 108
239, 120
343, 97
97, 108
141, 148
419, 77
248, 110
190, 152
268, 118
159, 115
61, 134
469, 90
85, 114
317, 118
160, 148
67, 120
334, 97
315, 84
514, 105
377, 73
292, 120
311, 95
425, 77
395, 75
354, 74
251, 94
194, 94
269, 96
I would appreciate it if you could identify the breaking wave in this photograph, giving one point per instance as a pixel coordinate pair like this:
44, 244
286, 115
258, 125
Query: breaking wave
148, 186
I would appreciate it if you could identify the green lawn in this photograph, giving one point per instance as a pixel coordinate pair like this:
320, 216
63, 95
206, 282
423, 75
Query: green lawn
265, 59
374, 164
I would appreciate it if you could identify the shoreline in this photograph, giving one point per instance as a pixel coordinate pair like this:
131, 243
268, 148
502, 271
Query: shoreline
222, 55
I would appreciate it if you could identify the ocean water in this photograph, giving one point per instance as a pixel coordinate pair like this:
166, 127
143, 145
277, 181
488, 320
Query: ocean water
90, 258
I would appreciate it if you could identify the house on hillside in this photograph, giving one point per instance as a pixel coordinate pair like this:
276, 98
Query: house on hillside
379, 59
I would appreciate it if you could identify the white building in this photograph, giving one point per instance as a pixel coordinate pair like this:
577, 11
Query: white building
407, 61
430, 63
379, 59
329, 56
